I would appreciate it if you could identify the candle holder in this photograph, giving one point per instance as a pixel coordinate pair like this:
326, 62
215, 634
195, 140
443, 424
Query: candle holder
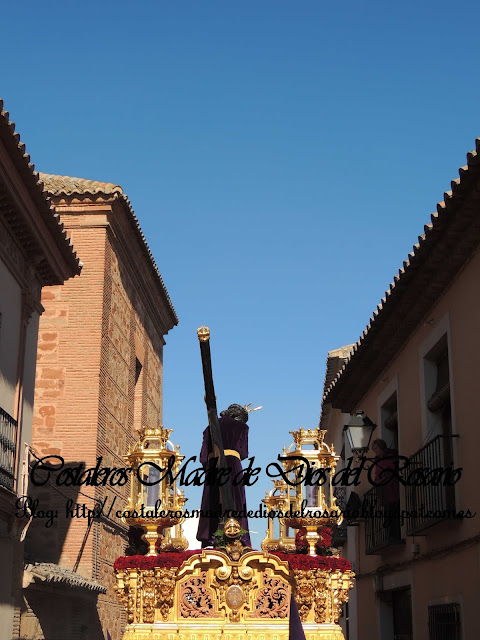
277, 538
155, 503
315, 502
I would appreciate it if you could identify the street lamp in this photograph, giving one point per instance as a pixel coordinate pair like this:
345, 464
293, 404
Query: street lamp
359, 433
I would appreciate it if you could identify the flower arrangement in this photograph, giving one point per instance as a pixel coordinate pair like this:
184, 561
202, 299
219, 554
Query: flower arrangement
168, 560
165, 560
306, 562
323, 546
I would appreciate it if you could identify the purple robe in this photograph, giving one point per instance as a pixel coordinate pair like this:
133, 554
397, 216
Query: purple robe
234, 437
295, 626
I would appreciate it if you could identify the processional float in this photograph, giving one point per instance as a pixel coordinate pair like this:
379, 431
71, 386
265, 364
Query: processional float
293, 588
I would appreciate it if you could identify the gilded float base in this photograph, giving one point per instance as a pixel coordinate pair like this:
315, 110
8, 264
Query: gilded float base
213, 597
323, 631
165, 631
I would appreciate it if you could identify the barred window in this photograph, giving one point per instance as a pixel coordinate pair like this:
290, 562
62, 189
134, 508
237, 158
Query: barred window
444, 622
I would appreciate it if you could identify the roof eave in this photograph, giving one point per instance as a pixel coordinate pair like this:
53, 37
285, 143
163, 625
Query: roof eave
155, 272
384, 336
62, 260
114, 197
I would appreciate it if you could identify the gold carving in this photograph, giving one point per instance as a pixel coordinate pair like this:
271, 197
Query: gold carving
223, 572
325, 590
235, 550
131, 594
196, 599
245, 573
210, 594
203, 334
238, 577
141, 591
304, 593
309, 436
204, 631
172, 544
273, 600
232, 528
321, 605
148, 596
340, 595
234, 596
165, 580
121, 589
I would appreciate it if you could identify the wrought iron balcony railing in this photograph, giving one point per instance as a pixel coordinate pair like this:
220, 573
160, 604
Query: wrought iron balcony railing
429, 504
382, 521
8, 438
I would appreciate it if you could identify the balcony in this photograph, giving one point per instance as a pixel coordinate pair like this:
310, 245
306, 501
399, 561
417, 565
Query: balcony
382, 522
8, 438
434, 502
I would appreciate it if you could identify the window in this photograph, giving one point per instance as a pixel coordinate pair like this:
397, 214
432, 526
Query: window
437, 450
389, 417
437, 390
437, 387
8, 438
138, 396
444, 622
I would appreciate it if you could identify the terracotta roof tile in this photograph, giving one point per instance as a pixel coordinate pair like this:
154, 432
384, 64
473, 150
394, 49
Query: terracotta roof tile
49, 572
68, 185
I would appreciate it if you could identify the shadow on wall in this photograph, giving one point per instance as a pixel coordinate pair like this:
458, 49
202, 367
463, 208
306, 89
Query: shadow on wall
53, 606
54, 508
59, 613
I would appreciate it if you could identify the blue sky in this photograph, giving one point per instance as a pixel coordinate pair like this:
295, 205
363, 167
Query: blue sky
282, 159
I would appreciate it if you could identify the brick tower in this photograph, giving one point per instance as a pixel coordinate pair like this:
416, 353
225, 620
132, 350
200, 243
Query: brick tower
99, 377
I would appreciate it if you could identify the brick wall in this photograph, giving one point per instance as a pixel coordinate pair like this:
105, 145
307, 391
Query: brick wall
128, 337
94, 332
66, 395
